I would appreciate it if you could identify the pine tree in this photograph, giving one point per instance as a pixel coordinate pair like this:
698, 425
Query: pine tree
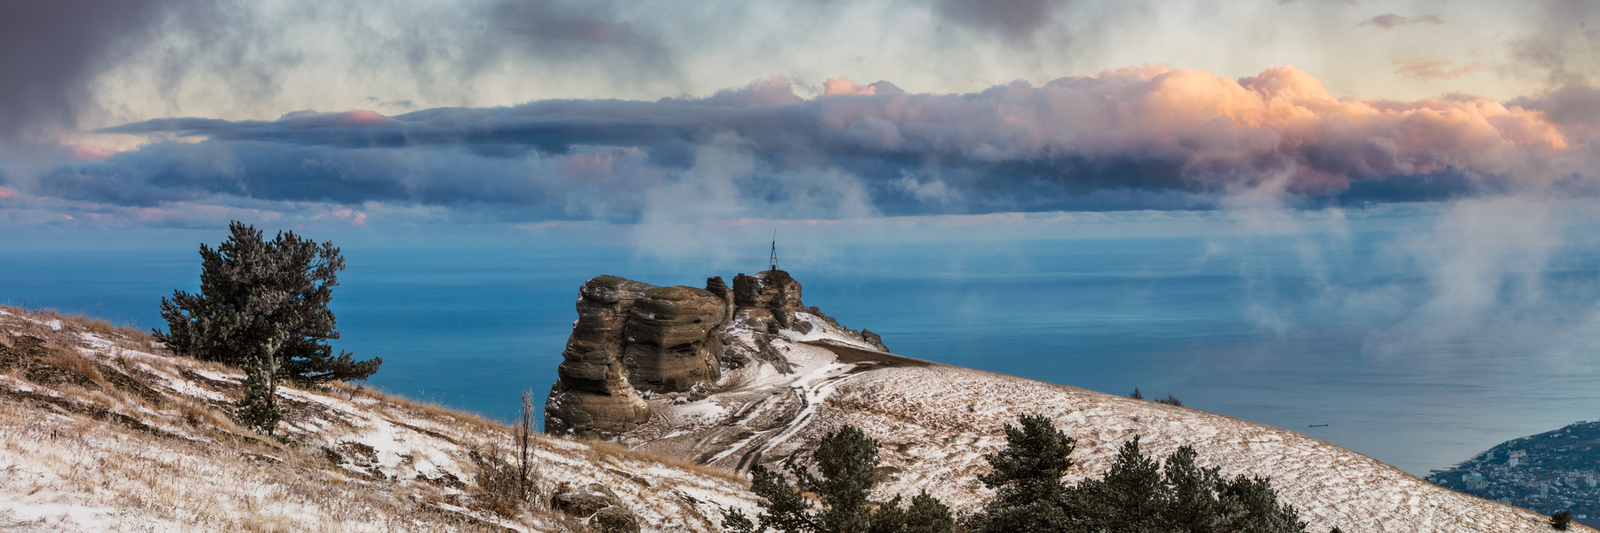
1026, 476
1130, 498
1193, 506
1561, 520
1137, 494
1251, 505
252, 290
928, 515
845, 462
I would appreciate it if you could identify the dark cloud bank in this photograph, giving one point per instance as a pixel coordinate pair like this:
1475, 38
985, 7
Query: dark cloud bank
1136, 138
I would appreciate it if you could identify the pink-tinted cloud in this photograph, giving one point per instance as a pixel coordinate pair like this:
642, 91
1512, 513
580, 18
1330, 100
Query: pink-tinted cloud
7, 193
1144, 137
1433, 68
354, 117
88, 152
843, 86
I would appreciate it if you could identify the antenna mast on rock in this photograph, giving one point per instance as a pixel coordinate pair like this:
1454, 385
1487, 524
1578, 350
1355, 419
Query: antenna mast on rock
772, 262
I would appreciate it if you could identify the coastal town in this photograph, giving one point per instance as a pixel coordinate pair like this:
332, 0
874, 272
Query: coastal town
1546, 473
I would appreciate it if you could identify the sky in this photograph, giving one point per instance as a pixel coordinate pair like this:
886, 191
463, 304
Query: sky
1466, 132
693, 131
554, 118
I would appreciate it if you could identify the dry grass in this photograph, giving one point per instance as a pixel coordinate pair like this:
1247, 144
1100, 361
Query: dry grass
70, 358
421, 409
154, 486
124, 336
612, 449
194, 469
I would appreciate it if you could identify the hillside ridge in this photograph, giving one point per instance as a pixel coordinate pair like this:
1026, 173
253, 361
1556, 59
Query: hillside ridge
783, 383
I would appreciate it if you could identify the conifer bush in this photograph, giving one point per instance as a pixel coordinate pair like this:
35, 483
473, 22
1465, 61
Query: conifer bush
1561, 520
845, 463
263, 306
1137, 495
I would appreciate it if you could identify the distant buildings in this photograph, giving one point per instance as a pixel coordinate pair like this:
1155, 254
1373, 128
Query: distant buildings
1546, 473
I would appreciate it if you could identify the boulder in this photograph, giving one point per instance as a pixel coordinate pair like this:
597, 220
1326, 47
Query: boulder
615, 519
668, 341
586, 501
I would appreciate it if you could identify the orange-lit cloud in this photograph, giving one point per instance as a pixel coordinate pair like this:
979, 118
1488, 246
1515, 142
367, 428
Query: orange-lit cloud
1140, 137
843, 86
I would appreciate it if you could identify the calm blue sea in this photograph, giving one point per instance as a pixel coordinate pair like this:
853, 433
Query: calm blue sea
1400, 358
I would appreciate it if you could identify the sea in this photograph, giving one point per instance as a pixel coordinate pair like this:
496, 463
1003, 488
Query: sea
1417, 360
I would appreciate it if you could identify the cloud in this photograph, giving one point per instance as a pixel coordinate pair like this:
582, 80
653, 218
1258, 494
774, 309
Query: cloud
1391, 20
843, 86
1014, 20
1561, 46
1434, 69
1149, 137
1576, 106
50, 50
64, 64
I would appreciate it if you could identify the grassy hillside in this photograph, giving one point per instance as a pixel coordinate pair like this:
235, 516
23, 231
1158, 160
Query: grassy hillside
102, 430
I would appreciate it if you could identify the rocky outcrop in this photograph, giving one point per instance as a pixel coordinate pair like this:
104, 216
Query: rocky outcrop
633, 340
770, 297
632, 337
585, 501
715, 285
873, 339
592, 395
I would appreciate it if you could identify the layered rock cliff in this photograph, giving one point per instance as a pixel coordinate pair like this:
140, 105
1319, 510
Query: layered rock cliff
634, 339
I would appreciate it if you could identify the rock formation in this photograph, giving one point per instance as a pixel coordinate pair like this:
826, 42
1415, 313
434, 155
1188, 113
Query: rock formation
633, 341
633, 337
873, 339
592, 395
770, 297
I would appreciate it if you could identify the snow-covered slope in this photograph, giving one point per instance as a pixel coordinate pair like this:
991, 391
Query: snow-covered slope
937, 422
100, 431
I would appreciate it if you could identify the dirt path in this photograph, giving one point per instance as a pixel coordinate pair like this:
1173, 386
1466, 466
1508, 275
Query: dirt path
752, 445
